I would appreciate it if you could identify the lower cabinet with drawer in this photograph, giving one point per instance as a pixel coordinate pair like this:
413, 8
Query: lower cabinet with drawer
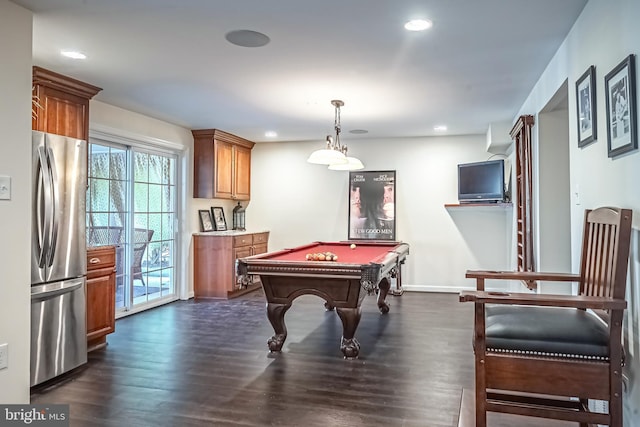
214, 262
101, 295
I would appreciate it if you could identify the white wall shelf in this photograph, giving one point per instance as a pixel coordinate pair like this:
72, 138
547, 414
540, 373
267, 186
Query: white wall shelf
477, 206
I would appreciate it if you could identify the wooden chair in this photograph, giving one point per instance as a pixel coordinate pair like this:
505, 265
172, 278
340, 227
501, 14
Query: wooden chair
546, 355
141, 238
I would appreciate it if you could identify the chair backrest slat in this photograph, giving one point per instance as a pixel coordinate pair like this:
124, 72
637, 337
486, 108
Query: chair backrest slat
605, 251
104, 235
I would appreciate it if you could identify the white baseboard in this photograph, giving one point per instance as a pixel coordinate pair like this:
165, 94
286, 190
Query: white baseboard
426, 288
443, 289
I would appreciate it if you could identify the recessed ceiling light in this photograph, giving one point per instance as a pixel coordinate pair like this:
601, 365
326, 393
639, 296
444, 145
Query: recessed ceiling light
73, 54
270, 134
247, 38
418, 25
440, 128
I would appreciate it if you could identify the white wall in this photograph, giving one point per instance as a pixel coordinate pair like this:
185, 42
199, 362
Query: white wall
300, 202
605, 34
15, 224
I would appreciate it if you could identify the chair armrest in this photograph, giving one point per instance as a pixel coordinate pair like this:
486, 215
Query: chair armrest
572, 301
522, 275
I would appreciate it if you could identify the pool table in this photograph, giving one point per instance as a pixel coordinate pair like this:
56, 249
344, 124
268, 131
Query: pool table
342, 283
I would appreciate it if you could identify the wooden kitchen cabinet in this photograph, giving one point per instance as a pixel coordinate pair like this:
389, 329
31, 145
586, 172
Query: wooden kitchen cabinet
221, 165
101, 295
63, 104
214, 265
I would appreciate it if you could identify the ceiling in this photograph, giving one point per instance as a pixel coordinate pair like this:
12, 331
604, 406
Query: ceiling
169, 59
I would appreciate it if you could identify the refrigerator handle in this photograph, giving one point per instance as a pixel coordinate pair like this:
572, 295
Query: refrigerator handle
55, 207
43, 207
45, 293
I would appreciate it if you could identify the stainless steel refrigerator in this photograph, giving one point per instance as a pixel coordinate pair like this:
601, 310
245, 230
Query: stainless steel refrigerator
58, 256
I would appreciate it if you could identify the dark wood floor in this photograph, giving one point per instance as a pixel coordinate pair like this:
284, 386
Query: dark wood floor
195, 363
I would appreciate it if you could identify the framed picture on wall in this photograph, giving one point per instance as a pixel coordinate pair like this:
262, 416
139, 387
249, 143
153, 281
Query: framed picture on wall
219, 221
586, 107
205, 220
372, 205
620, 91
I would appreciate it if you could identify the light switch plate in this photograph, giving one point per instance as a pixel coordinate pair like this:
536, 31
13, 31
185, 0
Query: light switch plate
4, 355
5, 188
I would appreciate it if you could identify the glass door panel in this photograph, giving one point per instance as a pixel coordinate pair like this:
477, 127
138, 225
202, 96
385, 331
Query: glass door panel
120, 177
154, 187
107, 207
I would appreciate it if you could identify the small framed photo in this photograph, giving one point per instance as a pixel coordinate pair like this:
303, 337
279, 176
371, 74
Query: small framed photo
586, 107
218, 218
205, 220
620, 90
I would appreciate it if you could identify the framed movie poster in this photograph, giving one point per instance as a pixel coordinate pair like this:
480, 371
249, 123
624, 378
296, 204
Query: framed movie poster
372, 205
620, 92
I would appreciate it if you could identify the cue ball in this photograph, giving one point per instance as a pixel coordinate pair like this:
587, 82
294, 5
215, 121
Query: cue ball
353, 246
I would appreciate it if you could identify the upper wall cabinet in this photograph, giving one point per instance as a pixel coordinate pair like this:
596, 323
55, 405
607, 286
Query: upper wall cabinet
63, 104
221, 165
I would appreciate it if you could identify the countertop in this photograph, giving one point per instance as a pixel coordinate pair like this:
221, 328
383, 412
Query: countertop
228, 232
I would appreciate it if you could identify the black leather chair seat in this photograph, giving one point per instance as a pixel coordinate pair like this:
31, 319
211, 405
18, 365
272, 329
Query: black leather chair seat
546, 331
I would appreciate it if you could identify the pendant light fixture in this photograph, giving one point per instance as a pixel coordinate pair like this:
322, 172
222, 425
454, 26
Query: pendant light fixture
335, 153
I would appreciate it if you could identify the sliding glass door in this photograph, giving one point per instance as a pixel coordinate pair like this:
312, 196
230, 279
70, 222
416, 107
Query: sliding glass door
131, 203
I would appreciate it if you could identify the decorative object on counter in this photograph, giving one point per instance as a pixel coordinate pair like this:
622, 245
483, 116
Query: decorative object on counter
218, 218
238, 217
35, 104
205, 220
620, 93
335, 153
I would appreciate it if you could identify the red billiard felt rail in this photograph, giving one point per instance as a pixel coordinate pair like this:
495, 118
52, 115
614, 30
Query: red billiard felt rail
362, 254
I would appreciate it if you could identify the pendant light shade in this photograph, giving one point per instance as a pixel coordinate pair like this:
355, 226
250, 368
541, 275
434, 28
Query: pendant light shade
335, 153
326, 156
351, 164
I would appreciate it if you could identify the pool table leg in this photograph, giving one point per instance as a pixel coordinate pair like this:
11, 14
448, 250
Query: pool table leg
275, 313
383, 287
397, 274
350, 317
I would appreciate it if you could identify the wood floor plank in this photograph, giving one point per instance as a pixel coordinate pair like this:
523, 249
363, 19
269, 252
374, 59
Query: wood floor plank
199, 363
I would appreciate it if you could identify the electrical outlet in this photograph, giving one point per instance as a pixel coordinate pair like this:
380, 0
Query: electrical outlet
4, 355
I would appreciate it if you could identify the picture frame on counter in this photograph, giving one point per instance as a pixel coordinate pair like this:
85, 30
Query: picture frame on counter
205, 220
586, 107
620, 92
219, 221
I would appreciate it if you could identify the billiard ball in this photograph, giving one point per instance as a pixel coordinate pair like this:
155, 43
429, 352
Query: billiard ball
353, 246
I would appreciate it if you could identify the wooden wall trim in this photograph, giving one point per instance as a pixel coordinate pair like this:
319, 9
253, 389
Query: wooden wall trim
223, 136
44, 77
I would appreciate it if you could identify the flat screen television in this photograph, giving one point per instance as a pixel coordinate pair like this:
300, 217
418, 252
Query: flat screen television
481, 182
